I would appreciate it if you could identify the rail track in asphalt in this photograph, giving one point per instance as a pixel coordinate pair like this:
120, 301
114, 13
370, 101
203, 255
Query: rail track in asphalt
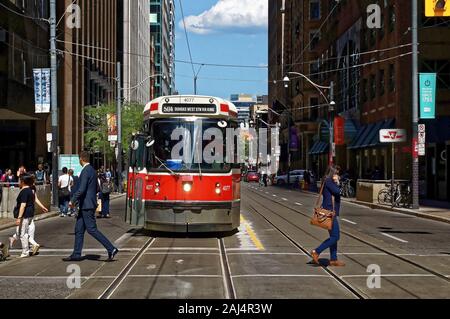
350, 235
115, 285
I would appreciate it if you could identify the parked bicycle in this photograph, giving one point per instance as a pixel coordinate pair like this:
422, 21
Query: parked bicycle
347, 190
402, 195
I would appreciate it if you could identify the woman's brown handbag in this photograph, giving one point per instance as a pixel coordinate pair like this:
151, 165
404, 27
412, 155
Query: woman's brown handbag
322, 217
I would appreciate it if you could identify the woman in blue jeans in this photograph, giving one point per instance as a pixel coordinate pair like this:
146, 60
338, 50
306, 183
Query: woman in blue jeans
331, 191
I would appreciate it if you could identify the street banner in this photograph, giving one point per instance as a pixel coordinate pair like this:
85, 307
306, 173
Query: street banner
42, 93
339, 134
427, 95
112, 127
294, 140
71, 162
393, 136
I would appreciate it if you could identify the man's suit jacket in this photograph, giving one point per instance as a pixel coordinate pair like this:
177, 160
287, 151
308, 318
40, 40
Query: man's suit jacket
85, 196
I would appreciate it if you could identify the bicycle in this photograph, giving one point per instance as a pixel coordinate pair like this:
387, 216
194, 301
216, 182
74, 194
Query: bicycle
347, 189
402, 197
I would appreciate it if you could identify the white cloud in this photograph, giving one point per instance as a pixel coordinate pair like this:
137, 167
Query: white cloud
240, 16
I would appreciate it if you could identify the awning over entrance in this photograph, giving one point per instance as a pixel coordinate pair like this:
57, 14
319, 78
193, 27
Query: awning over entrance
368, 135
8, 115
319, 148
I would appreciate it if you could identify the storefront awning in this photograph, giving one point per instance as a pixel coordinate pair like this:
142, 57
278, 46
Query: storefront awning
319, 148
8, 115
368, 135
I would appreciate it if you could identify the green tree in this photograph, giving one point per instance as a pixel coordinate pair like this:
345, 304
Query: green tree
96, 130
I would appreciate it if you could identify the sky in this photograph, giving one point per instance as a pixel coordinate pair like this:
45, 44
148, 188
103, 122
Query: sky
222, 32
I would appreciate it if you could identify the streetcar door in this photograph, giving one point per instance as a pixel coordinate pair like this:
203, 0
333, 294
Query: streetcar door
136, 182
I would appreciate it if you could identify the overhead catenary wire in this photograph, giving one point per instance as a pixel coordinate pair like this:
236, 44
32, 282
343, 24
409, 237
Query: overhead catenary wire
23, 15
187, 39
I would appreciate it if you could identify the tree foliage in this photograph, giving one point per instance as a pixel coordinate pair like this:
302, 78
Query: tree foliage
96, 130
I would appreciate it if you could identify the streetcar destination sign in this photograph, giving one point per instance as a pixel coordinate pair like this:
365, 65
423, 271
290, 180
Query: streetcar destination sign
189, 109
393, 136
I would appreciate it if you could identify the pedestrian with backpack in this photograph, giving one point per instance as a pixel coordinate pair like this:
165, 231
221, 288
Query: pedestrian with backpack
41, 175
65, 183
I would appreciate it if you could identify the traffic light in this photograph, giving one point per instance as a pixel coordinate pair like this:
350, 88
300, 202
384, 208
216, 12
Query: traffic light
437, 8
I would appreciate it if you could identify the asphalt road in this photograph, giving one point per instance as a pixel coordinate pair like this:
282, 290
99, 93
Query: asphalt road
266, 258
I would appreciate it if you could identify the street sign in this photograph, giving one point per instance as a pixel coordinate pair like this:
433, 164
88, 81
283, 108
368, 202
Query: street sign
393, 136
71, 162
42, 85
427, 95
422, 128
422, 151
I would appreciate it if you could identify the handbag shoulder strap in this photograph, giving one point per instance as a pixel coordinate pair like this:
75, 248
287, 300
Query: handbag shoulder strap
320, 194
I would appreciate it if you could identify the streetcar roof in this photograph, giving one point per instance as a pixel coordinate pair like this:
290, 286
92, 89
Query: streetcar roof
190, 105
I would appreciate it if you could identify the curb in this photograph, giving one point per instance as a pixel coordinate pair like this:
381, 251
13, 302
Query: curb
389, 209
37, 218
47, 215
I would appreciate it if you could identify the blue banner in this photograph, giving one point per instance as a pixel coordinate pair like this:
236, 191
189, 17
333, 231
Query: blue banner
427, 95
42, 94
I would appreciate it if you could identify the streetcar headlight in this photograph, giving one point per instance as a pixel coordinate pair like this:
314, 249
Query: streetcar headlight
218, 190
157, 190
187, 187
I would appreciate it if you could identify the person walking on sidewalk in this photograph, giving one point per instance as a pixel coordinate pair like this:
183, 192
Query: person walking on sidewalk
331, 191
24, 214
73, 189
106, 189
86, 199
32, 227
65, 182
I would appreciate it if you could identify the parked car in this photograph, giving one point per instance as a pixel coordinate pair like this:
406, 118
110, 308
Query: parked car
295, 176
252, 176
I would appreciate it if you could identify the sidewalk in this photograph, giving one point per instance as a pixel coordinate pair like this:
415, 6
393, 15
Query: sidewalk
427, 208
6, 223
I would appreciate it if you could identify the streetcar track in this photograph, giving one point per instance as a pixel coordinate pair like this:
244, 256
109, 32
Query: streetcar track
353, 291
422, 267
115, 284
230, 292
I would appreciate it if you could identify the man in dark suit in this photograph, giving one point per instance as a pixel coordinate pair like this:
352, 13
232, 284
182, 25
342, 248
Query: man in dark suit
85, 197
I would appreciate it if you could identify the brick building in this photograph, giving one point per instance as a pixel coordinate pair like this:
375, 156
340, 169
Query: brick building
371, 70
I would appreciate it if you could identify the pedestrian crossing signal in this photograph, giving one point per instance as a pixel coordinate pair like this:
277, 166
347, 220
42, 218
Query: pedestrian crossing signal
437, 8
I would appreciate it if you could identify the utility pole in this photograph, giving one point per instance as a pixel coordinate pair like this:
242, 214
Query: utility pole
331, 127
415, 106
119, 128
54, 101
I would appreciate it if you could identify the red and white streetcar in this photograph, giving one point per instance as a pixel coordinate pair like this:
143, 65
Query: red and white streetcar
187, 193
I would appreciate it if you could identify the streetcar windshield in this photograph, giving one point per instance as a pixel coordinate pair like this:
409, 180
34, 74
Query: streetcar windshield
183, 145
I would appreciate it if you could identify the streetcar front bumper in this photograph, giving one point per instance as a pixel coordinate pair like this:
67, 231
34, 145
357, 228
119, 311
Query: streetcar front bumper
192, 217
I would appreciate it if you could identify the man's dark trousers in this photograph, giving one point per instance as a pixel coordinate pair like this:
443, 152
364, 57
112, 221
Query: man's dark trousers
86, 222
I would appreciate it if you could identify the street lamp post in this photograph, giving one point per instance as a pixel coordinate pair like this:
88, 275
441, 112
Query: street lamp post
330, 101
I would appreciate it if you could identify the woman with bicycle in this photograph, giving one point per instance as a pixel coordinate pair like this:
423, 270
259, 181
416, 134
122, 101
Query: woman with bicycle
332, 202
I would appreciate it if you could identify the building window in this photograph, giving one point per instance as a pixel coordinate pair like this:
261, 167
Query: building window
373, 87
381, 82
314, 38
392, 78
314, 9
392, 18
364, 91
314, 109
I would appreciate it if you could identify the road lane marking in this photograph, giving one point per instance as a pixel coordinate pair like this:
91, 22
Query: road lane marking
396, 238
260, 253
285, 199
278, 275
252, 234
348, 221
298, 204
389, 275
173, 276
180, 253
182, 248
274, 195
122, 239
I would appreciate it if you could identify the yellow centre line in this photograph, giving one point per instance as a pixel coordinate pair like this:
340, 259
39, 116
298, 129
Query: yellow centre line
252, 234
